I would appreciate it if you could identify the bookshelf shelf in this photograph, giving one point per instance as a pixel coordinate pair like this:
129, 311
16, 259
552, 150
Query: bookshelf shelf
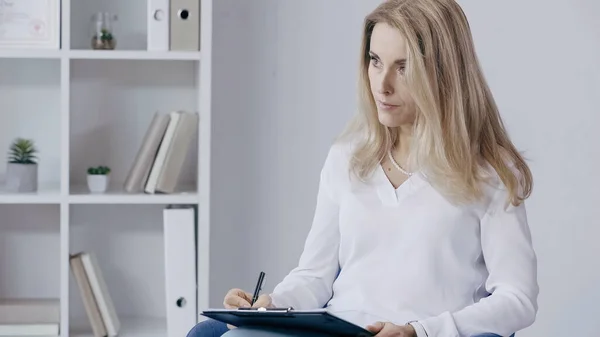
31, 54
48, 193
131, 327
132, 55
30, 236
80, 195
84, 108
83, 54
127, 242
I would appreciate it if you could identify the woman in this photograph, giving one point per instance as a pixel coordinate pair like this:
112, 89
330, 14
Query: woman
420, 227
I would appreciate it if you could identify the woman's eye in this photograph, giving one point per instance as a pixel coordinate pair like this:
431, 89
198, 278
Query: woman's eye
374, 60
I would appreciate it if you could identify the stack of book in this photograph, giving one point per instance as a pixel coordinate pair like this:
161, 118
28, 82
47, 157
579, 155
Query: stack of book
160, 158
97, 301
30, 317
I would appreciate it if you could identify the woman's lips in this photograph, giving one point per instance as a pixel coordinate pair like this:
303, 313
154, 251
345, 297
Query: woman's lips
386, 106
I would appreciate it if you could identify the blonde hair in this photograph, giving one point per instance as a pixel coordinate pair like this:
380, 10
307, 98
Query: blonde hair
458, 128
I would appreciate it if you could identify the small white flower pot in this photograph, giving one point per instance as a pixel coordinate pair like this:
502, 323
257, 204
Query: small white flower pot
97, 183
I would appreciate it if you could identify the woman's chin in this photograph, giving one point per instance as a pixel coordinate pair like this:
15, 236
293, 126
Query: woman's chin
394, 119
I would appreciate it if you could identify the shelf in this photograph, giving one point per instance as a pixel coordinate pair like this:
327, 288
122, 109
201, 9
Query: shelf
84, 54
46, 194
127, 242
84, 107
30, 54
112, 105
130, 327
30, 241
129, 30
30, 108
80, 195
132, 55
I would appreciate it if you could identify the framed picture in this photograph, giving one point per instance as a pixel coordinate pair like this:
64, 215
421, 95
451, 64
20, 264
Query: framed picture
29, 24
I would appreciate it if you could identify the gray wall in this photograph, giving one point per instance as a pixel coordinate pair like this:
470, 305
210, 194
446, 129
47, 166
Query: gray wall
284, 82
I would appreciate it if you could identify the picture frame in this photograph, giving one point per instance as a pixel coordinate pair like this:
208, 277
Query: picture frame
27, 24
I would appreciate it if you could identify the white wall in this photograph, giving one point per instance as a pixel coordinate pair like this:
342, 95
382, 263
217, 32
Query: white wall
284, 78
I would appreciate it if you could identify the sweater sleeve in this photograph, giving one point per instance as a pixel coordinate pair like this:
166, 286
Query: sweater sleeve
309, 285
512, 282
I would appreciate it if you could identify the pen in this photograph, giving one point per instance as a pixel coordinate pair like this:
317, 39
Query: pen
261, 278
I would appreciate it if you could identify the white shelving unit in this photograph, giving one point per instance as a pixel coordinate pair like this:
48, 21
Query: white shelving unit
85, 107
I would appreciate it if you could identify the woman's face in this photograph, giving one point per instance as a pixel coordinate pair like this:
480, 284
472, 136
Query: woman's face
388, 53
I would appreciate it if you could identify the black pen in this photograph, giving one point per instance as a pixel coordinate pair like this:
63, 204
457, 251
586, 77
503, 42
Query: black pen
261, 278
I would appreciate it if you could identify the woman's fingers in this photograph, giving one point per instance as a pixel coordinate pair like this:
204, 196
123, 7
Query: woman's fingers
236, 298
263, 301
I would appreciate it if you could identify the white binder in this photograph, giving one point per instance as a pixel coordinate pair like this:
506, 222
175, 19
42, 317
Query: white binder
179, 223
158, 25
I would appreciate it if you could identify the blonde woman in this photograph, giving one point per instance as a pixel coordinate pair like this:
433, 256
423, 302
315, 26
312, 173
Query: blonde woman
420, 226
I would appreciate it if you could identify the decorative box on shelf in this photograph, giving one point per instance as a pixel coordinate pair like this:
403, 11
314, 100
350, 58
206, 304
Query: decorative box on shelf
28, 24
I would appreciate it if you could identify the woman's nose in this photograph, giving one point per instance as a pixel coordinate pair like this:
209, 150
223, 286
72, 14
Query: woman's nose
385, 87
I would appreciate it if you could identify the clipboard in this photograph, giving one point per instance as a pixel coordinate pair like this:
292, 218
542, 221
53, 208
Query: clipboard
318, 320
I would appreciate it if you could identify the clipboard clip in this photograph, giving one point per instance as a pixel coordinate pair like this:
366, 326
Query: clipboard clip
263, 309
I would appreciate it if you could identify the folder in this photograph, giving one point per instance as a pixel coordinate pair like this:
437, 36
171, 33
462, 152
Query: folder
179, 224
185, 25
158, 25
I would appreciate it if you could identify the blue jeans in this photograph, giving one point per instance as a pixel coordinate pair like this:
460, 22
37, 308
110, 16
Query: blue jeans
212, 328
208, 328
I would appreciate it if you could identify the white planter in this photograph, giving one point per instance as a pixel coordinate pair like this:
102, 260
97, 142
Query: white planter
21, 177
97, 183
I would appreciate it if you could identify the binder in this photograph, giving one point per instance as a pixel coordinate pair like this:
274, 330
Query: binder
158, 25
185, 25
179, 224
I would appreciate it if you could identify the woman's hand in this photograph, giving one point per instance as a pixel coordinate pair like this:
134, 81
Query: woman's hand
263, 301
387, 329
237, 298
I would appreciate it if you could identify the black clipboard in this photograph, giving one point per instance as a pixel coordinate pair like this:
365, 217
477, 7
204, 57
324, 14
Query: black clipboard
287, 318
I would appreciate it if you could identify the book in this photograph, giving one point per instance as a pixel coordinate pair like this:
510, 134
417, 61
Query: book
29, 310
177, 152
31, 329
89, 300
140, 169
29, 317
101, 294
159, 160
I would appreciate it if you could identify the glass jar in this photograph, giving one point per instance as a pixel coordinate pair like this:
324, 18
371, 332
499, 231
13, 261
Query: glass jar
102, 31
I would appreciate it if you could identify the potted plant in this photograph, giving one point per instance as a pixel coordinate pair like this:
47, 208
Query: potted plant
98, 178
22, 167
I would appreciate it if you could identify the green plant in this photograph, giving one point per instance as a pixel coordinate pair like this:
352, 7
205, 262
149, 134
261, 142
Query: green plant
105, 35
99, 170
22, 151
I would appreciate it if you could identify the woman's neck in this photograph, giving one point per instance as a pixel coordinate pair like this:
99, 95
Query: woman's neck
401, 149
